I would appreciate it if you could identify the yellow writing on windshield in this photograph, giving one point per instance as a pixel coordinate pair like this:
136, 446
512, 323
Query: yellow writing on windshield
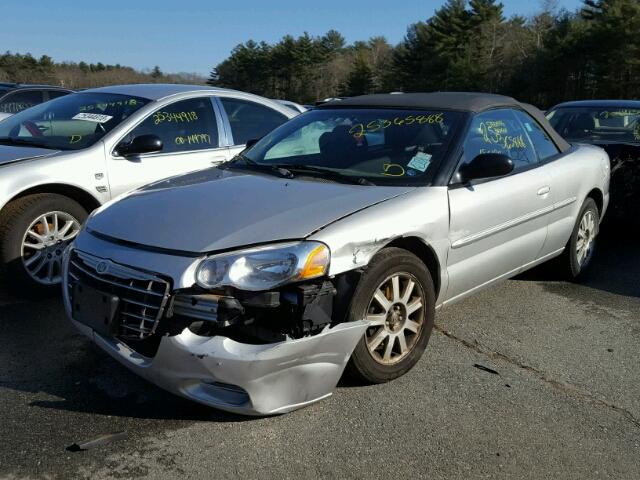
132, 102
194, 139
636, 132
360, 129
75, 139
160, 117
392, 170
496, 133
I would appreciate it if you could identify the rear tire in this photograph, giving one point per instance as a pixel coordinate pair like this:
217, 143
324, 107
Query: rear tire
580, 248
34, 230
388, 294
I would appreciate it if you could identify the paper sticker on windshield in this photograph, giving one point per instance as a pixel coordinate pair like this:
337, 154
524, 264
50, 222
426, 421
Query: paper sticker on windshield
93, 117
420, 161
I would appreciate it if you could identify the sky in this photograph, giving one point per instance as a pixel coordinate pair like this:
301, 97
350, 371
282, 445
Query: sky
195, 35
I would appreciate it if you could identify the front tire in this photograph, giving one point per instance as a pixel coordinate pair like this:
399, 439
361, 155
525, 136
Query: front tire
396, 294
34, 231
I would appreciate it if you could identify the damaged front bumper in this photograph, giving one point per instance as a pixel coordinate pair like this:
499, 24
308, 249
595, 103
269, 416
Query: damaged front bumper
256, 378
243, 378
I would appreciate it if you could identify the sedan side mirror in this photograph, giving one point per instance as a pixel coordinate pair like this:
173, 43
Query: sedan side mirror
139, 145
251, 143
486, 165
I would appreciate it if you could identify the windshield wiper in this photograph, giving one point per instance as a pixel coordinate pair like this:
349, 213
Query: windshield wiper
243, 162
325, 173
24, 141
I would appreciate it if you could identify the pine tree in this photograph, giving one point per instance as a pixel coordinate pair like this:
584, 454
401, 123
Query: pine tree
360, 81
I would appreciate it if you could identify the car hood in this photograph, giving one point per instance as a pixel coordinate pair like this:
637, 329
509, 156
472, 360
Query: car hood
218, 209
13, 154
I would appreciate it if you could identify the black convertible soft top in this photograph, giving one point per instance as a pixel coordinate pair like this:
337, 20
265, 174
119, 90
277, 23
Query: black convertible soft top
462, 101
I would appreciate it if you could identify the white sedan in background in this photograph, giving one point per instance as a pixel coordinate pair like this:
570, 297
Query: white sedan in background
62, 159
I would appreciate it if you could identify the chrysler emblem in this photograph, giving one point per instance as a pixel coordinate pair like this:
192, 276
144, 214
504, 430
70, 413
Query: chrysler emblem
102, 267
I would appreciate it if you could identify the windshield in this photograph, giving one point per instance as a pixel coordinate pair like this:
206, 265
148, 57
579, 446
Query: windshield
379, 146
593, 124
71, 122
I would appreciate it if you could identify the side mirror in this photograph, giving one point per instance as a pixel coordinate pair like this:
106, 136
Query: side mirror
486, 165
139, 145
251, 143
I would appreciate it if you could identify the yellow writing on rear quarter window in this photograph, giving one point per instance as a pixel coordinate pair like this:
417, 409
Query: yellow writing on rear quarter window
75, 139
360, 129
194, 139
160, 117
636, 132
132, 102
496, 133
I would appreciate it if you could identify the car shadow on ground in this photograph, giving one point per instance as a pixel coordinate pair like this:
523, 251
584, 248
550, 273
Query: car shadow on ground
58, 368
615, 266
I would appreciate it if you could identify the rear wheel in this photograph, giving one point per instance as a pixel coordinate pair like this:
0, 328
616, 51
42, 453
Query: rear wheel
578, 253
396, 295
34, 231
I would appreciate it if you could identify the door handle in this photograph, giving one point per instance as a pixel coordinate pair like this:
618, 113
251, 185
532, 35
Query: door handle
543, 191
218, 159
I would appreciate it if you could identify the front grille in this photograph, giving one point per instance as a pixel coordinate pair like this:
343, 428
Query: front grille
142, 295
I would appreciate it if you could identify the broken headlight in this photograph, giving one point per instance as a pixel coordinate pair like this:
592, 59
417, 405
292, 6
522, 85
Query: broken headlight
264, 268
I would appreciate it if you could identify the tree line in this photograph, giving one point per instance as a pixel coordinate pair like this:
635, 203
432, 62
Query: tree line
551, 56
24, 68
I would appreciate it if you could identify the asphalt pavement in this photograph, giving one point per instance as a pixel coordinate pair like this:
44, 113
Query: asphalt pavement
534, 378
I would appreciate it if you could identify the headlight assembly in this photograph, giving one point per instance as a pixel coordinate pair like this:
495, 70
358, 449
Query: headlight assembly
265, 268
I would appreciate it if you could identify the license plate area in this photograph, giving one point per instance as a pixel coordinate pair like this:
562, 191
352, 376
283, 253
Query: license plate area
95, 309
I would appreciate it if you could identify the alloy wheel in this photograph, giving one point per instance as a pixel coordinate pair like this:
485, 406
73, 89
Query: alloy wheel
586, 237
43, 245
396, 315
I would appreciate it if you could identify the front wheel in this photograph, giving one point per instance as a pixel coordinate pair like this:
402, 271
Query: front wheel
34, 231
396, 296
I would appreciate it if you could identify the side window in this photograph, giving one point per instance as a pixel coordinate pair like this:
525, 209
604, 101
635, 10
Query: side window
18, 101
56, 93
499, 131
250, 120
182, 126
542, 143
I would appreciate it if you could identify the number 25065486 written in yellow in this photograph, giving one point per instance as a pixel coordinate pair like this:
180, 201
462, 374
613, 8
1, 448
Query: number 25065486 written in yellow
360, 129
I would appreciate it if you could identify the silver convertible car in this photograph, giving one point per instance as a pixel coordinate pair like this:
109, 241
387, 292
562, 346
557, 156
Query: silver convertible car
61, 159
330, 243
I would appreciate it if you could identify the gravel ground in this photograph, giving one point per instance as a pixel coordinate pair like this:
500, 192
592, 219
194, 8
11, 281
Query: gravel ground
561, 398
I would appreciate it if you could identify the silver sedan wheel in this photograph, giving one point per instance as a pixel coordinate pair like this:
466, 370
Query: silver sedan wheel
586, 237
396, 313
43, 245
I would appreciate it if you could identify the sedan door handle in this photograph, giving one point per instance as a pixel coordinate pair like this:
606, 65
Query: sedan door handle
544, 191
219, 159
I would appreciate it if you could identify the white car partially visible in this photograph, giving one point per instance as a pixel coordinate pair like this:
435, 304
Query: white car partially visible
62, 159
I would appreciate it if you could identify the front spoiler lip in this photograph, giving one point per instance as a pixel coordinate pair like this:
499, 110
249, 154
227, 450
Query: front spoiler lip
276, 378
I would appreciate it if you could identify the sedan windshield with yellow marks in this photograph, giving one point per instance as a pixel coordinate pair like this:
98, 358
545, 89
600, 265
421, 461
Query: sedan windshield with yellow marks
71, 122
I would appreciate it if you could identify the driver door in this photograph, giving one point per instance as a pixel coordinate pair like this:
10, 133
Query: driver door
189, 133
497, 225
